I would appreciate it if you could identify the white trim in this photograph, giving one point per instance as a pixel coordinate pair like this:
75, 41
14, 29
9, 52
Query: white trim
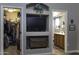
49, 53
66, 31
2, 28
66, 19
2, 31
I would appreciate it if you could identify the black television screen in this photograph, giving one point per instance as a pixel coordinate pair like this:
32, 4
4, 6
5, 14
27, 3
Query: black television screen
36, 22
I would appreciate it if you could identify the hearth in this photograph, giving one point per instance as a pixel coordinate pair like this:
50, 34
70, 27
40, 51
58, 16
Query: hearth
35, 42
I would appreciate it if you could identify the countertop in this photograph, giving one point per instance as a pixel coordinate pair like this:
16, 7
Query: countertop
59, 33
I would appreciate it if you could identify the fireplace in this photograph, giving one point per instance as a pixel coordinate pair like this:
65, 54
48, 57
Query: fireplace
35, 42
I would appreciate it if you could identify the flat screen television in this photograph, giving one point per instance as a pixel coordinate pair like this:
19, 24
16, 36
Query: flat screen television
36, 22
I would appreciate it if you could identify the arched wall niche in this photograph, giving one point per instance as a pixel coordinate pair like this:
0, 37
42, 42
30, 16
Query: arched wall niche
37, 7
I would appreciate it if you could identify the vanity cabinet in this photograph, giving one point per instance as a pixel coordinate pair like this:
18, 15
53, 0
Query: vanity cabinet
59, 40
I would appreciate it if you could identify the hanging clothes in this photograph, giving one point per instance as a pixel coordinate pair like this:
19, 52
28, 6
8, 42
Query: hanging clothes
6, 38
13, 33
18, 36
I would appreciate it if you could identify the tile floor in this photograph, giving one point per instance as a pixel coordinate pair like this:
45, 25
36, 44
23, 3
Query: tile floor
58, 51
11, 50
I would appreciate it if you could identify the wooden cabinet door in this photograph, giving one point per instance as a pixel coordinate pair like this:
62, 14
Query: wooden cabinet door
63, 43
55, 39
58, 40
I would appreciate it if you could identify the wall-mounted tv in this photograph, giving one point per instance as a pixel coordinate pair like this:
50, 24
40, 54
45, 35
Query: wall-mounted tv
36, 22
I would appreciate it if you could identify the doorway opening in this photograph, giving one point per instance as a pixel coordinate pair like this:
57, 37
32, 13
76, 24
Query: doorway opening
59, 32
11, 31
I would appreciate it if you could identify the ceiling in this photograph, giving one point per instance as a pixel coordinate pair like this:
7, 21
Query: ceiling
57, 14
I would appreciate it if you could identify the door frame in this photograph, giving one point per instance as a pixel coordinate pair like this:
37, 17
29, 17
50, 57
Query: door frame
2, 28
66, 30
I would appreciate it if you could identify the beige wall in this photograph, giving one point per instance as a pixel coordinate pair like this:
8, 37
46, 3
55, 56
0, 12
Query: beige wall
11, 15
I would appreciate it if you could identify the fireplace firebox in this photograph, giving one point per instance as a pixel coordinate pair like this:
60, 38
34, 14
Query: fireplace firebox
35, 42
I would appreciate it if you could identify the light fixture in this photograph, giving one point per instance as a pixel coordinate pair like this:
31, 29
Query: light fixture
6, 9
55, 14
10, 9
12, 20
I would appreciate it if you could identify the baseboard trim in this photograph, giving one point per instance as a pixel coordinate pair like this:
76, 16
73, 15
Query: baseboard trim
49, 53
72, 51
